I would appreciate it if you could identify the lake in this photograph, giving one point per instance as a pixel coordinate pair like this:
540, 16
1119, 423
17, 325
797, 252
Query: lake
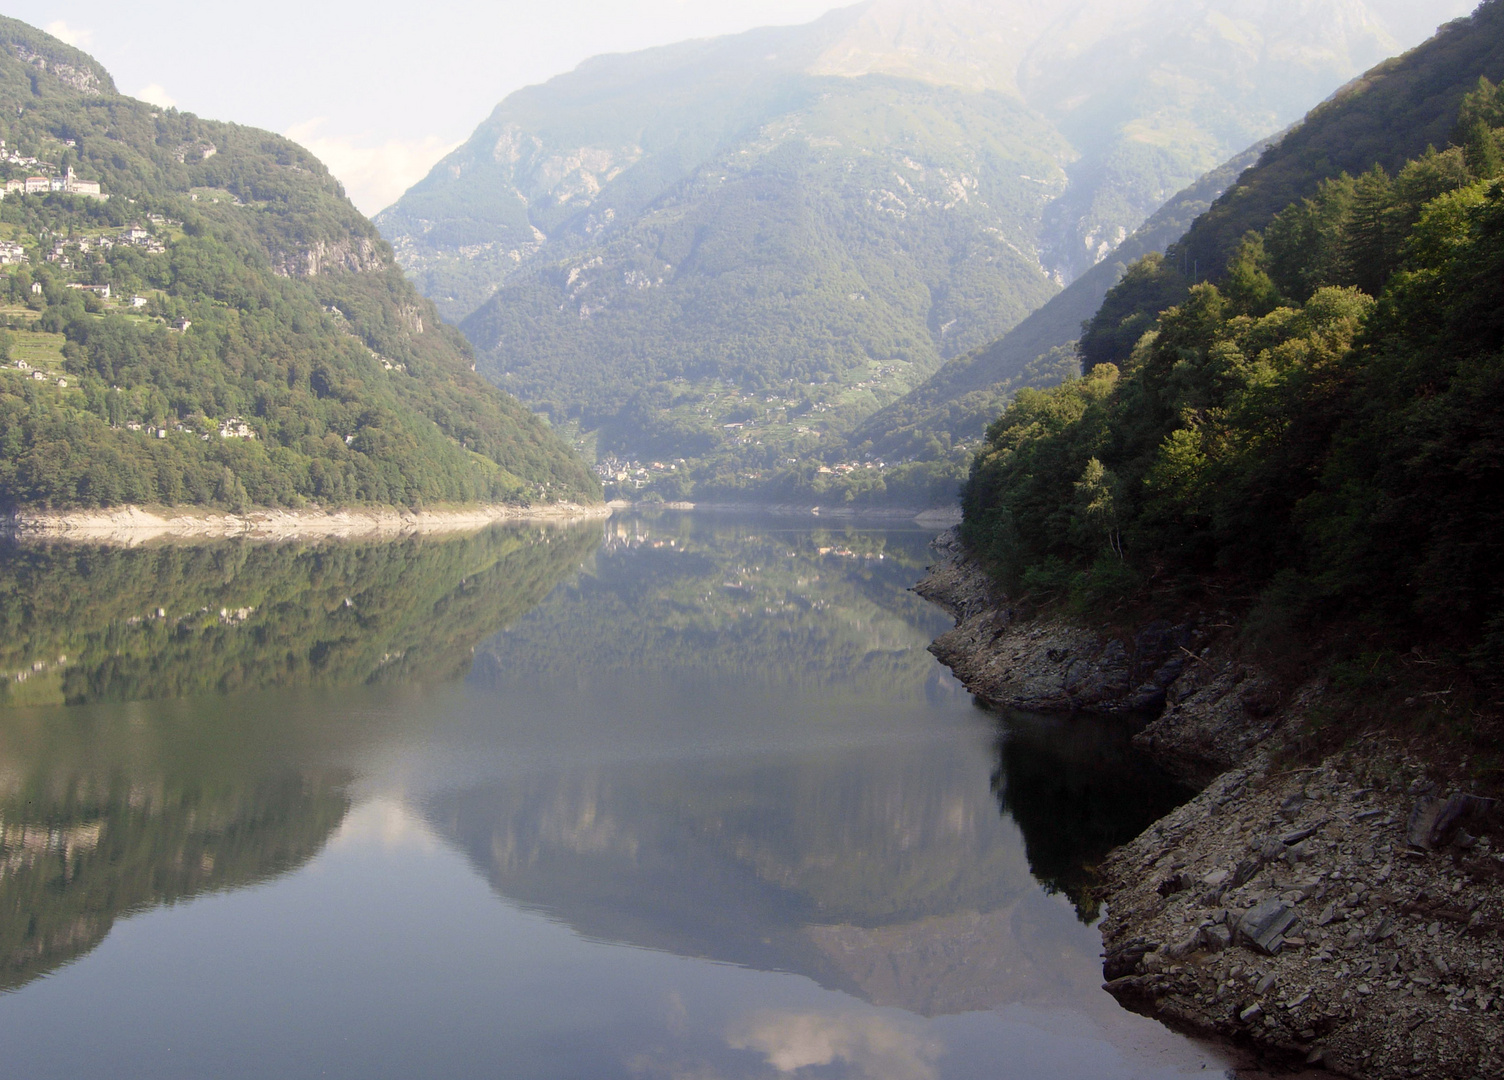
670, 796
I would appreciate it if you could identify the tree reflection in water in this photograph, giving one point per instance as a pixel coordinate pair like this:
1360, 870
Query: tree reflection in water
109, 809
1077, 789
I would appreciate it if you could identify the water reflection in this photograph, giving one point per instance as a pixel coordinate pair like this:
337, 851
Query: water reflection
104, 812
82, 623
691, 599
99, 819
868, 1045
1077, 789
904, 870
720, 744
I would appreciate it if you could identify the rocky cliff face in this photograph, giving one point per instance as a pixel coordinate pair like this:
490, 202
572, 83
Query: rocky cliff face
74, 69
358, 255
1348, 915
1211, 710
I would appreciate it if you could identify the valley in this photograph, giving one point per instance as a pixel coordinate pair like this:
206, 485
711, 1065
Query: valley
836, 212
347, 729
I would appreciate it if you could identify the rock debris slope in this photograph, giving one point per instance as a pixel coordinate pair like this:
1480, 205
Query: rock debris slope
1348, 914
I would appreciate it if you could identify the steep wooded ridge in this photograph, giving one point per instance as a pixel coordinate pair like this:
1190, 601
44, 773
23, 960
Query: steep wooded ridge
1387, 117
1320, 425
198, 315
732, 251
954, 406
1277, 516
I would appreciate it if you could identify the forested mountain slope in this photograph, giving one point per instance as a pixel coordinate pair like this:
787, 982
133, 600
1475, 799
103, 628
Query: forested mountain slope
954, 406
1318, 429
733, 251
197, 314
1390, 116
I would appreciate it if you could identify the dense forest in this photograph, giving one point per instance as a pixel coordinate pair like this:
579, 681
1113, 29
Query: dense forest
1318, 427
222, 326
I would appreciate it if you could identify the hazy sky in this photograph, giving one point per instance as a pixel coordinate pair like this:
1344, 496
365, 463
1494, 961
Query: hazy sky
380, 90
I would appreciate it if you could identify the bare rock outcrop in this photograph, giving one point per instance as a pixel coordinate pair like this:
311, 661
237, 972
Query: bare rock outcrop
1348, 915
1213, 712
357, 255
1290, 910
85, 80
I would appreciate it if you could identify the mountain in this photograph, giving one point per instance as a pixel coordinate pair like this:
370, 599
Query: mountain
1309, 421
950, 410
197, 314
733, 251
1386, 118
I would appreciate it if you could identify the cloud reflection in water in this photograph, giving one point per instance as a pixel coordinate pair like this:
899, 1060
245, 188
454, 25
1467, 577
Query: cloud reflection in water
868, 1045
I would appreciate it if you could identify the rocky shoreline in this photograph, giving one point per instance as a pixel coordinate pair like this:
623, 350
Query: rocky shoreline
133, 525
1347, 915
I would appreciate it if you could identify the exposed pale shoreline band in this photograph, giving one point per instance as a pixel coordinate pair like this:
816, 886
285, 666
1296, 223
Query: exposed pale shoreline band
134, 525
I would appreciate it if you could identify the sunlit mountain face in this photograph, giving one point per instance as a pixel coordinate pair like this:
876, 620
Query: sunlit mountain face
732, 251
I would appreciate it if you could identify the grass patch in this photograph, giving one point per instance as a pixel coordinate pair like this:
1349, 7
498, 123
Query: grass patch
43, 352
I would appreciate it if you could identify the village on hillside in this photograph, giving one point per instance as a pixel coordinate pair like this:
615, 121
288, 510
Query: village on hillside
44, 177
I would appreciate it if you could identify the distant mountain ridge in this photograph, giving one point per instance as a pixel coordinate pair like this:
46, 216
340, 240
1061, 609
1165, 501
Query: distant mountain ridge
734, 251
220, 325
1390, 115
955, 405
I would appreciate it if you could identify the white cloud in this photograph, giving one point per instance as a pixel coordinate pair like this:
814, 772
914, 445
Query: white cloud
374, 175
79, 39
156, 95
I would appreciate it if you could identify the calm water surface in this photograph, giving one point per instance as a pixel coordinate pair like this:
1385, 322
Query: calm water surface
674, 797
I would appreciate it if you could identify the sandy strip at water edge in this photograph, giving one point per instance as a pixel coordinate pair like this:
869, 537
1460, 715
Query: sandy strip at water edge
130, 525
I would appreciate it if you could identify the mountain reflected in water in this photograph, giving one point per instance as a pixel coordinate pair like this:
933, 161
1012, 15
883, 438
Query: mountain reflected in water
693, 600
101, 816
108, 811
906, 872
83, 623
720, 743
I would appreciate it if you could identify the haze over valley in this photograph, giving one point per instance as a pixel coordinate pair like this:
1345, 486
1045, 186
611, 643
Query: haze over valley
724, 256
509, 636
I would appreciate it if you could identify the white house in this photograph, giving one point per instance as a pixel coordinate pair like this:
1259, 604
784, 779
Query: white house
38, 185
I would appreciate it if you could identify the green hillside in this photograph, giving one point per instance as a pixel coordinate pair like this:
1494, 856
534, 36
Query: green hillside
224, 327
953, 407
1320, 428
1390, 116
723, 256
